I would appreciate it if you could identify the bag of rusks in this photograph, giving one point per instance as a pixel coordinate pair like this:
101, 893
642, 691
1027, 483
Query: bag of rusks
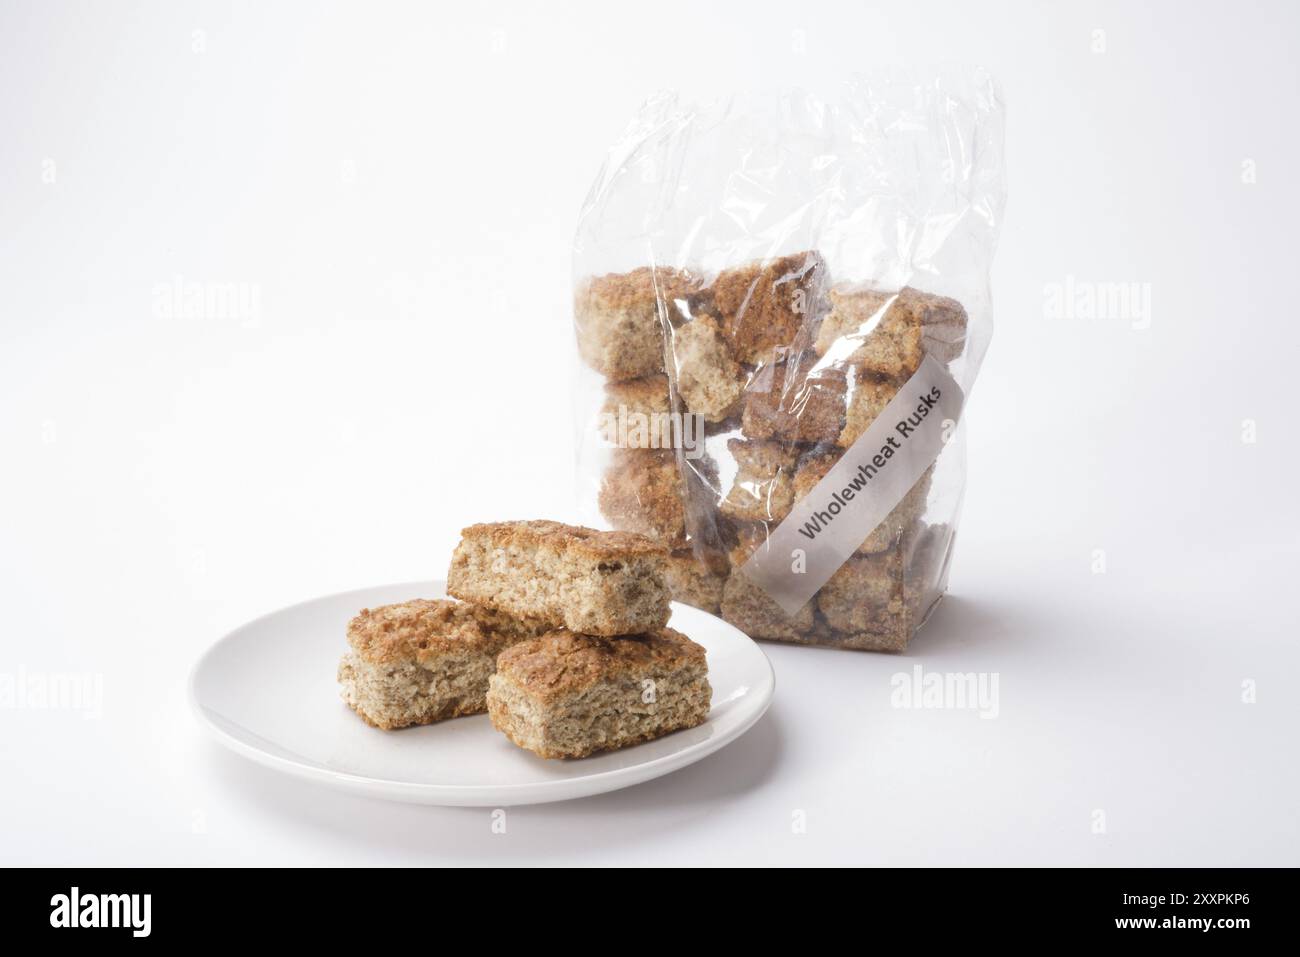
781, 303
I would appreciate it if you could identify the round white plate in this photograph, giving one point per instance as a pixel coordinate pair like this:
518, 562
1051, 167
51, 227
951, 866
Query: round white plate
268, 691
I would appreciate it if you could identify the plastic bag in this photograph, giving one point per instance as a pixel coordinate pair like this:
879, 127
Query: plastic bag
780, 304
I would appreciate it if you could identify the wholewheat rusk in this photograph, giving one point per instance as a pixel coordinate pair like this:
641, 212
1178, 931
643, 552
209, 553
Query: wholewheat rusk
697, 580
596, 583
567, 696
424, 660
770, 305
618, 320
889, 333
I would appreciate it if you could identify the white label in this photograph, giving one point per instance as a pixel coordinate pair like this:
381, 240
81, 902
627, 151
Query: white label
828, 525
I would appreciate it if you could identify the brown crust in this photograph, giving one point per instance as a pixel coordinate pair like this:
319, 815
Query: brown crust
807, 400
642, 492
753, 611
865, 593
646, 395
697, 580
889, 333
562, 663
794, 400
422, 629
749, 538
869, 398
639, 288
556, 536
764, 305
617, 319
629, 417
763, 488
709, 379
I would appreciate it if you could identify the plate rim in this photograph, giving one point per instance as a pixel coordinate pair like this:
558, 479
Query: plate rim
467, 795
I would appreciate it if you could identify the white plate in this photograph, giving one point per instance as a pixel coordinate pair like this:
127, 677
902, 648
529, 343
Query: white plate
268, 691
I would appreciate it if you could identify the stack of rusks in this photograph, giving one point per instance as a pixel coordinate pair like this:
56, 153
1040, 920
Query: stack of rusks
559, 635
786, 370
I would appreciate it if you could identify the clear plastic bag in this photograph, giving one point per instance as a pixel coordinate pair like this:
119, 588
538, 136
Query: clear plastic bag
757, 282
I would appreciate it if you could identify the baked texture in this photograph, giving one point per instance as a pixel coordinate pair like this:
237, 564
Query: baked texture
697, 581
617, 318
709, 379
567, 695
801, 399
765, 305
599, 583
749, 608
771, 477
878, 602
871, 603
634, 413
637, 415
864, 600
763, 487
889, 333
868, 399
794, 399
642, 491
424, 660
749, 537
874, 602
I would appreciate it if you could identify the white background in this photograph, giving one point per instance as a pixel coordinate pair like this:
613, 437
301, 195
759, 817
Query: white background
400, 185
